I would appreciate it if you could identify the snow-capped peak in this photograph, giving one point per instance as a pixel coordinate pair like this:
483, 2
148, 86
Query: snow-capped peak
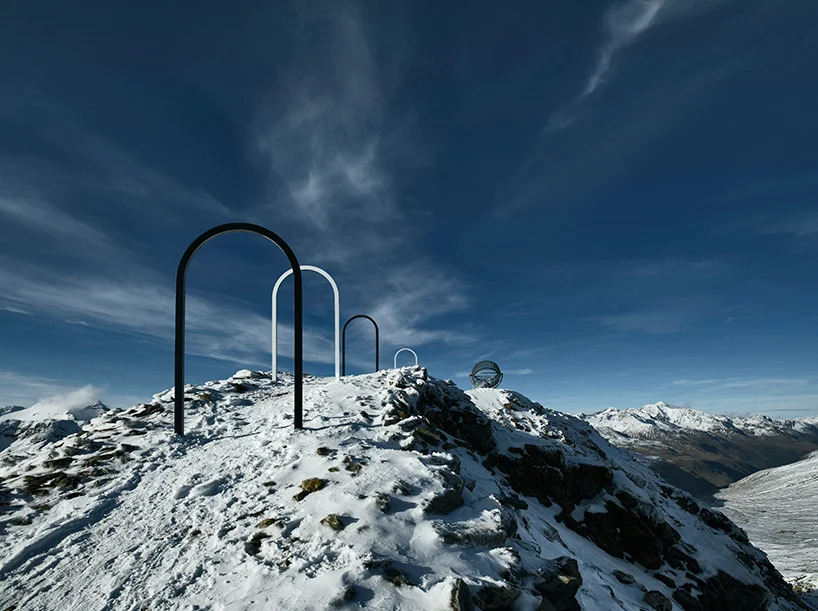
655, 418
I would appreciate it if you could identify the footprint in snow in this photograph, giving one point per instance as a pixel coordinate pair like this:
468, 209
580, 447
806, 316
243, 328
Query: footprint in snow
210, 488
185, 489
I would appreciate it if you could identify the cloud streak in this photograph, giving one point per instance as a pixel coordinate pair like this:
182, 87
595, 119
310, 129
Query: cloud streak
668, 316
43, 218
326, 144
725, 383
214, 330
623, 24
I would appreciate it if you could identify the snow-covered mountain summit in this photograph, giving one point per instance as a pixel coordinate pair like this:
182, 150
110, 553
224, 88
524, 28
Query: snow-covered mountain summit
652, 420
401, 492
702, 452
47, 420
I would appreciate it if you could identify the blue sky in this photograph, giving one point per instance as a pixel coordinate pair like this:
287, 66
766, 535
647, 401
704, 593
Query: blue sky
616, 201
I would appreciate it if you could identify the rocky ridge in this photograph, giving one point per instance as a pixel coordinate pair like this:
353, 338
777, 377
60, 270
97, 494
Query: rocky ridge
402, 490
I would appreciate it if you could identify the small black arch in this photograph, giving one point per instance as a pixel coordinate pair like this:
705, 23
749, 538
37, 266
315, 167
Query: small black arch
298, 321
344, 343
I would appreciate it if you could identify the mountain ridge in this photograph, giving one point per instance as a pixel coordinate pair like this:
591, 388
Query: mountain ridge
401, 491
700, 452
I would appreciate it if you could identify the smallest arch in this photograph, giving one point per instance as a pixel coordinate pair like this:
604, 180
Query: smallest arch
395, 362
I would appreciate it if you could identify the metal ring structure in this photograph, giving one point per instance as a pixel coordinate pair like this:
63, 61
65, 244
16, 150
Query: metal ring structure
274, 323
344, 343
298, 321
395, 362
486, 374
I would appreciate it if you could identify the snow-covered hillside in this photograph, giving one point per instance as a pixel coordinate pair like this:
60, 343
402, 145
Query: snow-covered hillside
401, 492
703, 452
653, 420
47, 420
777, 508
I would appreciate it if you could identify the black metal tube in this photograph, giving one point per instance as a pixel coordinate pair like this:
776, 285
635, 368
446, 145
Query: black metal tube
344, 343
298, 320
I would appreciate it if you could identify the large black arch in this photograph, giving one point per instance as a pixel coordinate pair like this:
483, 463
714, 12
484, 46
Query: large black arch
298, 321
344, 343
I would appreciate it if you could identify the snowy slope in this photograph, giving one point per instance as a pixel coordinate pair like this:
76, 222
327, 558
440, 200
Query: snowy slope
79, 405
702, 452
777, 508
402, 492
47, 420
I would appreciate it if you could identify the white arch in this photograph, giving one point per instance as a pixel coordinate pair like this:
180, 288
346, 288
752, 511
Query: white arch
395, 362
281, 278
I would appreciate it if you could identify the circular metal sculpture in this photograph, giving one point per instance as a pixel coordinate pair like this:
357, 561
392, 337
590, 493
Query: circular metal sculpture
486, 374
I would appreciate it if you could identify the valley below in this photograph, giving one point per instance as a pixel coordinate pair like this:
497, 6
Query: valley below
760, 472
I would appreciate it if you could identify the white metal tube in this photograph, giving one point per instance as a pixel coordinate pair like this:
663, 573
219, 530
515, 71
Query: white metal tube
395, 361
337, 299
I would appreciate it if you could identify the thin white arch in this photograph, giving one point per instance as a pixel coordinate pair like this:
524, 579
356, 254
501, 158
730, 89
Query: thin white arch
395, 362
274, 298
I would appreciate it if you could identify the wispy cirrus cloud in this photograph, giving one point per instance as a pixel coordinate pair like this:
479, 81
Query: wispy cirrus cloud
337, 153
802, 225
723, 383
334, 146
659, 317
622, 25
146, 307
326, 143
42, 217
82, 162
525, 371
404, 309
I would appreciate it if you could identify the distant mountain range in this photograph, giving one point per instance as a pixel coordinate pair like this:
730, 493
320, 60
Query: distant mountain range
44, 422
701, 452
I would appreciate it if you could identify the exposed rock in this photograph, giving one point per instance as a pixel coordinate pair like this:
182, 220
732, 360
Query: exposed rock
461, 599
430, 436
668, 581
451, 410
687, 601
149, 410
656, 600
445, 502
396, 576
492, 529
619, 531
559, 585
382, 501
58, 463
333, 520
354, 465
513, 501
348, 594
723, 591
623, 577
452, 495
308, 486
542, 472
496, 598
253, 546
